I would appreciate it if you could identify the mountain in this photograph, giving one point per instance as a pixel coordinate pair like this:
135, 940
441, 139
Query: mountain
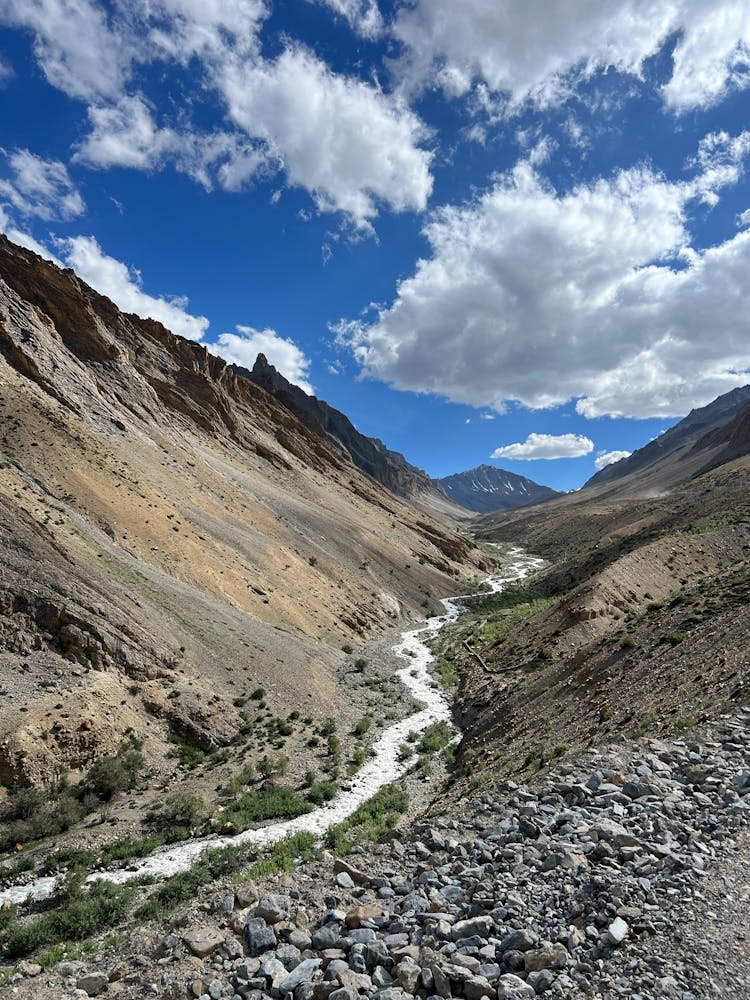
677, 442
488, 488
173, 539
387, 467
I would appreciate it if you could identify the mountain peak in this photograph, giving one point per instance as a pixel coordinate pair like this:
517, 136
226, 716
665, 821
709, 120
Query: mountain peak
487, 487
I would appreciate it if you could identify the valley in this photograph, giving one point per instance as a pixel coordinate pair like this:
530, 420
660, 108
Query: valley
250, 741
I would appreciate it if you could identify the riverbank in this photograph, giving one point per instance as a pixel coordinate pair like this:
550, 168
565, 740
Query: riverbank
386, 764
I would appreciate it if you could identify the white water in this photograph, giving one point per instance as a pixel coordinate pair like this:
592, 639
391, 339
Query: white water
384, 766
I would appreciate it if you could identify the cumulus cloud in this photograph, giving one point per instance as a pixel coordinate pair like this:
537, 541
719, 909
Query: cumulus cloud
363, 15
594, 294
244, 346
312, 119
74, 45
609, 458
291, 114
126, 135
40, 187
509, 49
122, 284
546, 446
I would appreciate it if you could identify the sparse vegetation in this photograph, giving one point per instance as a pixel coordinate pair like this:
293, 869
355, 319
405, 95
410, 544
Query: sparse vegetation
373, 818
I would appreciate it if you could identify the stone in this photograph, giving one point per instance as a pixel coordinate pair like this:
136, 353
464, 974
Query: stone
480, 926
361, 914
29, 969
259, 937
617, 931
541, 981
246, 894
344, 880
344, 993
357, 876
303, 973
203, 941
326, 936
477, 987
272, 908
554, 956
94, 984
519, 941
407, 972
512, 987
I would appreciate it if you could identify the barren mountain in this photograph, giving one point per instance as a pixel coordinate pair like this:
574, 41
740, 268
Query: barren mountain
640, 623
676, 443
174, 538
488, 488
369, 454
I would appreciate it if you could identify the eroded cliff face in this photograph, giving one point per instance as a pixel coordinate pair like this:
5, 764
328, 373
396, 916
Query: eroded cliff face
173, 535
387, 467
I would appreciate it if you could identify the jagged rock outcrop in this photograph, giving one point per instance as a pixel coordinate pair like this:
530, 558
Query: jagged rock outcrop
369, 454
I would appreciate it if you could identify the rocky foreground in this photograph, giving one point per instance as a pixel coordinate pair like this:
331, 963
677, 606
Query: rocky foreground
581, 885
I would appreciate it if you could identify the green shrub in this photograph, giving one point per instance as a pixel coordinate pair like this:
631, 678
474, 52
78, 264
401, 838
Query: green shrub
321, 791
262, 804
77, 912
181, 809
360, 664
435, 737
363, 725
373, 818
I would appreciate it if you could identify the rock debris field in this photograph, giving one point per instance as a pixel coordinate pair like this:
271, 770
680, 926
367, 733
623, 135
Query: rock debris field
578, 886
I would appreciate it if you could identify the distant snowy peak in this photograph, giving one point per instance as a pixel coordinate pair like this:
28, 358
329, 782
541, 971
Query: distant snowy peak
488, 488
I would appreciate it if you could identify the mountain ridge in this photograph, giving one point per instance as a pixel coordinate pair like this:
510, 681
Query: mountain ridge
679, 438
487, 488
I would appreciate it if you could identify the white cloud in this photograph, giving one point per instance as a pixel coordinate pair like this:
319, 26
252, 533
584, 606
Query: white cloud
363, 15
313, 120
6, 72
123, 285
243, 347
546, 446
126, 135
510, 49
23, 239
40, 187
73, 44
486, 416
595, 294
609, 458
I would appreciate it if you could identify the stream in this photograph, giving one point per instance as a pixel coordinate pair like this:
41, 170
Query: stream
383, 767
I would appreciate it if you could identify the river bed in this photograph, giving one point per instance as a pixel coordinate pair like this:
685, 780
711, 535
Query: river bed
383, 767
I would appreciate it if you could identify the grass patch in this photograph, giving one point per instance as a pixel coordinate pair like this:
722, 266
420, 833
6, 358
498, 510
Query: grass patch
262, 804
435, 737
78, 913
373, 818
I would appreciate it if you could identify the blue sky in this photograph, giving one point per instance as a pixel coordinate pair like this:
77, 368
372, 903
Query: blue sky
486, 233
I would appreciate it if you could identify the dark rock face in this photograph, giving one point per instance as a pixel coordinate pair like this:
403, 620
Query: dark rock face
698, 424
487, 488
387, 467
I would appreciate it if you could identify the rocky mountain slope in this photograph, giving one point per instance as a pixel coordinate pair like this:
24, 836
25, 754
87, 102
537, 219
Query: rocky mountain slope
173, 540
640, 623
482, 489
488, 488
677, 442
389, 468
